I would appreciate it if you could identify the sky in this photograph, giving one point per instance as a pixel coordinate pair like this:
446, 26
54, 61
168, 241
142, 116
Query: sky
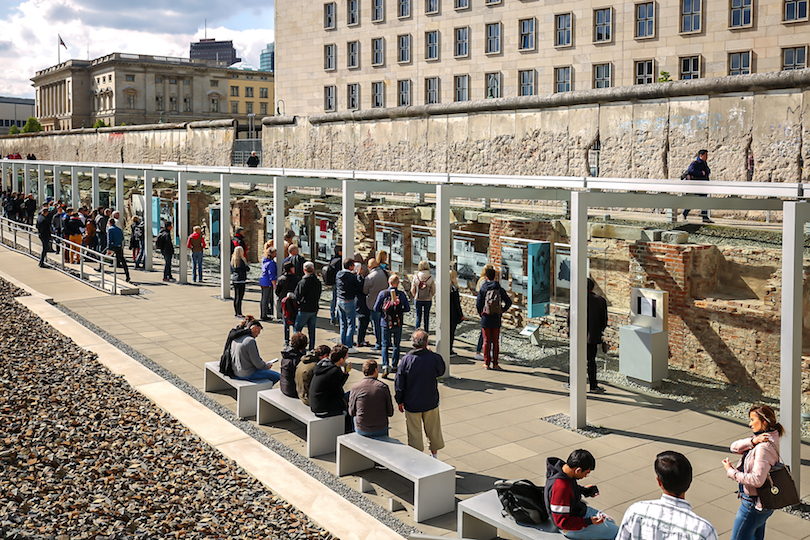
29, 39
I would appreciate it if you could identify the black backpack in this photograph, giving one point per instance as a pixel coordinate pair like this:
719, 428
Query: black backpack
393, 310
330, 272
522, 500
226, 361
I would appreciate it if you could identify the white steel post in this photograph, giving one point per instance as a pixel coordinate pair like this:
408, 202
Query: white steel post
182, 225
41, 195
578, 307
26, 179
57, 184
74, 187
348, 218
443, 248
225, 235
148, 236
119, 191
4, 167
94, 194
279, 197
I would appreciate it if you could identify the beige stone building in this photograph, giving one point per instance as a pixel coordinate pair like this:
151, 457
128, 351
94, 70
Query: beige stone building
360, 54
138, 89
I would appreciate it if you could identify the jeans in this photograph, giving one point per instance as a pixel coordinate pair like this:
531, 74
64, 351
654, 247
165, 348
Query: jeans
348, 320
167, 268
607, 530
267, 303
238, 296
749, 524
704, 213
102, 241
262, 374
491, 345
391, 336
196, 265
308, 318
592, 349
480, 347
140, 256
46, 244
375, 317
333, 312
380, 433
120, 260
423, 311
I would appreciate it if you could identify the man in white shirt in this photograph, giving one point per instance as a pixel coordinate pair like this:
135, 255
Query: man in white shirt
670, 516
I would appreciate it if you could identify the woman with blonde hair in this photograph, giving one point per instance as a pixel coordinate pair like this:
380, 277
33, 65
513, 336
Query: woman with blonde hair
479, 349
423, 289
239, 270
382, 259
267, 281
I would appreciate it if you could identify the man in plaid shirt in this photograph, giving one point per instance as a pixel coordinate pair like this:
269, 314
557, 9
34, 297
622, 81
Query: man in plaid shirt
670, 516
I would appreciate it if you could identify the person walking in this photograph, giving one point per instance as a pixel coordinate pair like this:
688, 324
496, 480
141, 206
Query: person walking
375, 282
239, 270
267, 281
330, 273
370, 403
491, 303
284, 286
391, 304
348, 284
698, 170
115, 246
308, 295
136, 241
165, 245
416, 390
44, 232
196, 243
759, 452
423, 289
456, 313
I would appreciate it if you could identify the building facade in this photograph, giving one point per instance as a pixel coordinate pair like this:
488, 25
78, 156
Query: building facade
267, 58
344, 55
216, 51
138, 89
14, 112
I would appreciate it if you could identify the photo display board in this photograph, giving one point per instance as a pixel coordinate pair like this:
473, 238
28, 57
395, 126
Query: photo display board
561, 270
539, 279
326, 237
514, 253
388, 237
300, 226
423, 246
471, 253
269, 223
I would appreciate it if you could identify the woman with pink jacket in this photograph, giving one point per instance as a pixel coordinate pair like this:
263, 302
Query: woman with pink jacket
760, 452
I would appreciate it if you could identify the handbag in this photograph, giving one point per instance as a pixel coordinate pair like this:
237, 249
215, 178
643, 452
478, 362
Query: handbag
779, 489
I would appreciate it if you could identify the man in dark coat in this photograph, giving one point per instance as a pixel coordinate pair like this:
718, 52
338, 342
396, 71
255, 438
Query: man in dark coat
239, 240
253, 160
44, 230
597, 322
165, 244
326, 395
698, 170
308, 295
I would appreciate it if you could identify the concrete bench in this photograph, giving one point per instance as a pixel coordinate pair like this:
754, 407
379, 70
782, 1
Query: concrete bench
434, 482
245, 390
480, 518
322, 433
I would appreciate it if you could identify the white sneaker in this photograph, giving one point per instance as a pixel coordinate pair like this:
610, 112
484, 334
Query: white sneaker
479, 356
352, 350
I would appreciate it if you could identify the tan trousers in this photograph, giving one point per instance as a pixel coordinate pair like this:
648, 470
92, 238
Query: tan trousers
433, 429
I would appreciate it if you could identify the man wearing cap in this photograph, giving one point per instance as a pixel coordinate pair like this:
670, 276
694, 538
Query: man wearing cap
239, 240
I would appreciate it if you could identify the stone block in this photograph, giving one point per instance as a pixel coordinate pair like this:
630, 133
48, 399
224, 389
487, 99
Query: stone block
426, 213
471, 215
619, 232
674, 237
651, 235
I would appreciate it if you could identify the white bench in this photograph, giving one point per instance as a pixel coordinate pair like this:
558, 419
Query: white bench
434, 482
245, 390
480, 518
322, 433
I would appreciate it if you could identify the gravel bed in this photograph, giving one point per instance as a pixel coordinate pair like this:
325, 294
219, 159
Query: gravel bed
86, 456
564, 421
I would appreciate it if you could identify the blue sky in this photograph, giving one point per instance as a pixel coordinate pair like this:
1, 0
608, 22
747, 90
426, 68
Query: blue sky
149, 27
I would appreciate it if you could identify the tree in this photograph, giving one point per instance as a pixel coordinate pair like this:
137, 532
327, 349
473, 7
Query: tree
664, 77
14, 130
100, 123
32, 125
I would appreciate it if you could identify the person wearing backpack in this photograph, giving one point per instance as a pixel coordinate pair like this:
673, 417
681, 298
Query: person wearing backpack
165, 245
392, 304
329, 274
698, 170
491, 303
376, 281
136, 241
423, 289
284, 286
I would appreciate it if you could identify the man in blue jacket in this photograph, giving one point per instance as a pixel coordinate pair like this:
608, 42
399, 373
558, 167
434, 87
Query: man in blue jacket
348, 286
115, 246
698, 170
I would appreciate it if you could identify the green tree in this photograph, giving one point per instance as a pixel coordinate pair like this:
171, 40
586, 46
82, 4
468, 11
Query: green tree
14, 130
100, 123
664, 77
32, 125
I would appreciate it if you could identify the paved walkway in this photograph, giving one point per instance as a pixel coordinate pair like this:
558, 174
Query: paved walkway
491, 420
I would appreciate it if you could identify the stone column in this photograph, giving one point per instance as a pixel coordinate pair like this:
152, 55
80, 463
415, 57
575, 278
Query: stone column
578, 308
443, 249
182, 225
148, 237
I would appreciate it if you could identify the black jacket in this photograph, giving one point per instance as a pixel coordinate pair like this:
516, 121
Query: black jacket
308, 293
286, 284
44, 227
290, 358
348, 285
326, 389
456, 313
73, 226
239, 273
167, 245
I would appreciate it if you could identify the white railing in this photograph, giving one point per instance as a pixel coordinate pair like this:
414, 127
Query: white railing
101, 271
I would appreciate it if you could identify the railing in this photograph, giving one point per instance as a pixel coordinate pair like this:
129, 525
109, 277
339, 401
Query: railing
24, 239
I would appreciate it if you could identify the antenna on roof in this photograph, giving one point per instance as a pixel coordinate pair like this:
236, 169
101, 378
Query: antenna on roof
206, 28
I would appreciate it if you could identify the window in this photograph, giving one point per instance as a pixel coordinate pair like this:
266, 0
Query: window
249, 107
159, 103
462, 86
263, 93
690, 15
130, 78
601, 76
740, 13
431, 90
403, 8
353, 54
795, 10
214, 105
158, 79
404, 93
329, 98
432, 45
492, 2
186, 82
526, 82
526, 34
461, 48
377, 51
234, 107
353, 12
690, 68
329, 57
493, 43
186, 105
644, 72
493, 82
404, 48
739, 63
461, 4
562, 79
234, 91
794, 58
172, 104
353, 96
562, 37
377, 10
263, 108
248, 91
645, 20
214, 83
378, 94
130, 101
329, 19
431, 6
172, 81
602, 25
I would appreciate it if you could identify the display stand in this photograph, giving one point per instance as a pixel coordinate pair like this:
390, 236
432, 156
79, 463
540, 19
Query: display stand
644, 344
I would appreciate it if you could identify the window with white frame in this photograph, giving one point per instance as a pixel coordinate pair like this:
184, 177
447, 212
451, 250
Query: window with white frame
263, 93
794, 58
353, 12
740, 14
795, 10
329, 16
234, 91
526, 78
462, 87
329, 57
159, 103
739, 63
689, 68
353, 54
353, 96
526, 34
234, 107
691, 15
431, 7
461, 4
493, 36
403, 8
493, 85
377, 10
404, 48
378, 51
214, 105
248, 91
431, 90
562, 25
249, 107
378, 94
461, 46
562, 79
645, 20
329, 93
645, 73
602, 25
263, 109
432, 45
601, 76
404, 93
492, 2
130, 101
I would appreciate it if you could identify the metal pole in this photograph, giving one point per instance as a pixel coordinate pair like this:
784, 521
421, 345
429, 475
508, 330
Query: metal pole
94, 194
182, 226
74, 187
578, 307
443, 239
119, 191
57, 184
279, 197
148, 236
26, 178
41, 195
348, 218
225, 235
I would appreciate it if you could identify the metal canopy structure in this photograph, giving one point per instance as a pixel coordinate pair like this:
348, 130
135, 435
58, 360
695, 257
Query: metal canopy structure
581, 192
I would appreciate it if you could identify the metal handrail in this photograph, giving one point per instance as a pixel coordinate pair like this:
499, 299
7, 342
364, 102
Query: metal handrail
21, 239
